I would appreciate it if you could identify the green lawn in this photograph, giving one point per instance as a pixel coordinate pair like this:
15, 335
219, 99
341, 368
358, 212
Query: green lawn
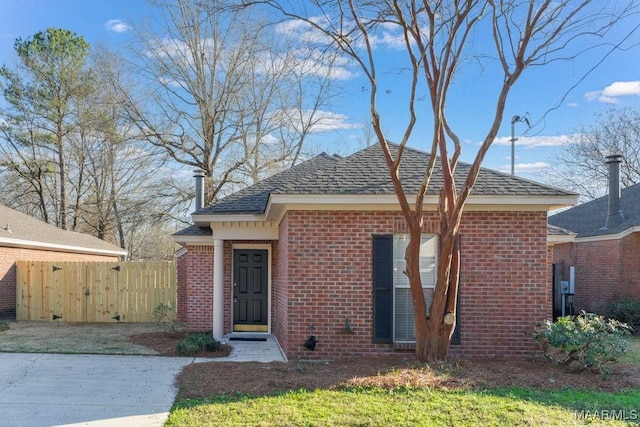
418, 406
422, 407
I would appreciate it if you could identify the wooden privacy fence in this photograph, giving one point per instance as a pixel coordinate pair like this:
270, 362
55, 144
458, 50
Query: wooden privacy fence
93, 291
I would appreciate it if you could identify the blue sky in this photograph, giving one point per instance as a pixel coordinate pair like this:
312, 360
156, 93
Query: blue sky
615, 83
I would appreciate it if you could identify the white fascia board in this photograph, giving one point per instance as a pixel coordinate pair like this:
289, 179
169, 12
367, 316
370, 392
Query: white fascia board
604, 237
273, 210
391, 199
204, 220
554, 239
380, 202
28, 244
193, 240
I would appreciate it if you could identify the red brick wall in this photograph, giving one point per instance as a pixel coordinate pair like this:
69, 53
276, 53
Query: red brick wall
322, 272
181, 267
505, 283
606, 270
195, 287
630, 271
280, 307
8, 258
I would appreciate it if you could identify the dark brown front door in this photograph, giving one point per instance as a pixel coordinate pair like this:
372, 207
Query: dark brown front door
250, 290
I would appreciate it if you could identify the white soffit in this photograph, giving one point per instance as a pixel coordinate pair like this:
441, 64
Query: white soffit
245, 230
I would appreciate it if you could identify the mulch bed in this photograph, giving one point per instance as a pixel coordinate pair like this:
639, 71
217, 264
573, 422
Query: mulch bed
202, 380
165, 343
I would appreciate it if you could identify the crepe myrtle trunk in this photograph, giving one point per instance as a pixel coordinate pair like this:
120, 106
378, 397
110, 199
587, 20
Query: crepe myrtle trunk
434, 331
442, 315
412, 257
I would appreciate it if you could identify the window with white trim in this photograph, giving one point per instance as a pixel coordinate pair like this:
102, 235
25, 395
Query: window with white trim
403, 315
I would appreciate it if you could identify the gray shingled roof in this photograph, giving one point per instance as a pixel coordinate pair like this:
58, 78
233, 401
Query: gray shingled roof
15, 225
365, 172
194, 231
588, 218
552, 230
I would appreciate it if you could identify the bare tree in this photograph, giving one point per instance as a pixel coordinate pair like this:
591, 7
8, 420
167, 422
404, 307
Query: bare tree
126, 184
505, 37
581, 166
219, 92
67, 151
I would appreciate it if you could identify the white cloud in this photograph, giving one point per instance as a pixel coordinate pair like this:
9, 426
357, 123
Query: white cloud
386, 35
531, 142
303, 31
316, 121
327, 121
526, 168
117, 26
309, 62
573, 105
622, 89
303, 61
611, 93
389, 35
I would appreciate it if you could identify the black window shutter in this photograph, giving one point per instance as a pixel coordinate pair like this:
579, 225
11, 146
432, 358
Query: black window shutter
383, 289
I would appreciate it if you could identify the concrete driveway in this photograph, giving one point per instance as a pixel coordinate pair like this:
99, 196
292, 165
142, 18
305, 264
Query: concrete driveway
95, 390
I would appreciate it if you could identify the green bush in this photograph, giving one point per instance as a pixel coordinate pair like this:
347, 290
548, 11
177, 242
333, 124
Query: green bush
165, 316
583, 341
627, 311
198, 343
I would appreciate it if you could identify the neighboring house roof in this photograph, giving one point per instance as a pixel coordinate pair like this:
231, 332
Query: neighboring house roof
366, 173
23, 231
588, 219
557, 235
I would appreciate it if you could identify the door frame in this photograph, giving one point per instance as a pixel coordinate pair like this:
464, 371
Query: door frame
258, 246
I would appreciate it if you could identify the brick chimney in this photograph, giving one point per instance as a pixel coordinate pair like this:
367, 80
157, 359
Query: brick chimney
615, 216
198, 174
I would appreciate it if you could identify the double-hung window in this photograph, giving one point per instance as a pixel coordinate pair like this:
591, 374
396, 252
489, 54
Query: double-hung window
393, 315
403, 315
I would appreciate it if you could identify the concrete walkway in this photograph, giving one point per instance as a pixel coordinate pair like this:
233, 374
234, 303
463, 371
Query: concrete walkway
253, 351
102, 390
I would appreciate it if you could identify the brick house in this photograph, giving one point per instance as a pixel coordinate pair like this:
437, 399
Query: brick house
24, 238
320, 245
606, 247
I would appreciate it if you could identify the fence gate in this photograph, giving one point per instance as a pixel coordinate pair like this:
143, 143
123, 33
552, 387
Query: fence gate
93, 291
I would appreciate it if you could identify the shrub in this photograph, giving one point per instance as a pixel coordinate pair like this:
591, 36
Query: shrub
198, 343
165, 316
583, 341
623, 311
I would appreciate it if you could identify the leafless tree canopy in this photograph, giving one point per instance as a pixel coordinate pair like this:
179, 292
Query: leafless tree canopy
223, 93
582, 167
69, 156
